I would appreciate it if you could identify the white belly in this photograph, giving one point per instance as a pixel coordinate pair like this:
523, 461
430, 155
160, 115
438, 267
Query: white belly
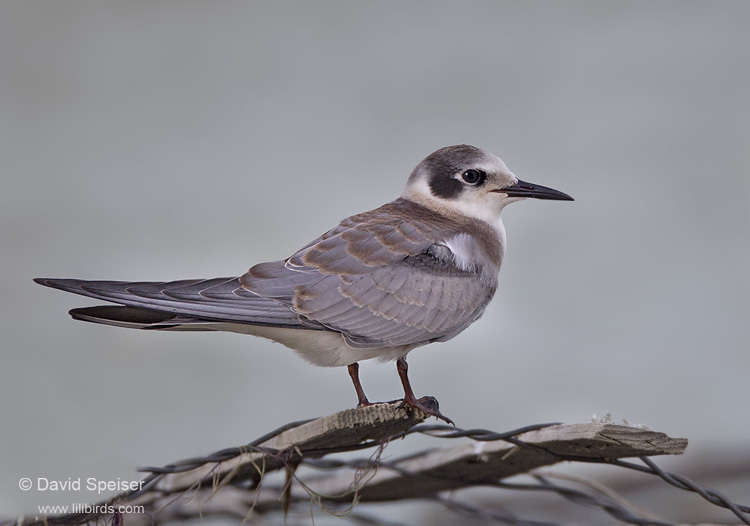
322, 348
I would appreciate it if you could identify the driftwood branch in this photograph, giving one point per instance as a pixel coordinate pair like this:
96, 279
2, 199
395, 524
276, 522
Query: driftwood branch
480, 463
238, 482
342, 431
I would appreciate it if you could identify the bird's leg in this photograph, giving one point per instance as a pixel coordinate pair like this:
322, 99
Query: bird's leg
361, 396
410, 400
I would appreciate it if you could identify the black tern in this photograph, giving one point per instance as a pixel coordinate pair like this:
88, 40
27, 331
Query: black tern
417, 270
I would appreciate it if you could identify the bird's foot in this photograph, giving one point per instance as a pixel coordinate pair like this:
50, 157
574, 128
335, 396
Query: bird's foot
426, 404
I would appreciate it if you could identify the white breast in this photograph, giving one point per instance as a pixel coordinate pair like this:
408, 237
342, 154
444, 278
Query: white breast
464, 249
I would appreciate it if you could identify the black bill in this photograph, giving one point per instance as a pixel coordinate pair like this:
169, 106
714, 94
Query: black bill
537, 191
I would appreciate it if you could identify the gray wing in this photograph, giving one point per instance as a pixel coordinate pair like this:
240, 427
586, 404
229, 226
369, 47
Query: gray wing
379, 283
218, 299
382, 278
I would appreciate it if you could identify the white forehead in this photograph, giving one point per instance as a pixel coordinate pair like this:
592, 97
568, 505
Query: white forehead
492, 164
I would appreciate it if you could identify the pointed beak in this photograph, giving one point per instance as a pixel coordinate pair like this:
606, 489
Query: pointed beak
537, 191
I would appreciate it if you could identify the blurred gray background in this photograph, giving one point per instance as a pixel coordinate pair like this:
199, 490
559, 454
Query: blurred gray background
176, 140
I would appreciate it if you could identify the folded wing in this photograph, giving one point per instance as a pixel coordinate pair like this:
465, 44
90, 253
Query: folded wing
389, 277
383, 278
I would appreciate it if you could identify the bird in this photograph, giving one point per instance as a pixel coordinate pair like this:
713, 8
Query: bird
417, 270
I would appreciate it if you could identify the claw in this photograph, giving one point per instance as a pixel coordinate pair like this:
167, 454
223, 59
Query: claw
428, 405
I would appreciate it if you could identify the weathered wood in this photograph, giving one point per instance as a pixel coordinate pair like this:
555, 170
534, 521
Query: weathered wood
486, 462
225, 487
312, 439
425, 474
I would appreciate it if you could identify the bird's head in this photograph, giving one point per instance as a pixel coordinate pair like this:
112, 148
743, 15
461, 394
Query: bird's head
466, 180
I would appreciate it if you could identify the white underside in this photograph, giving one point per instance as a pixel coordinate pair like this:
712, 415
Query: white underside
321, 348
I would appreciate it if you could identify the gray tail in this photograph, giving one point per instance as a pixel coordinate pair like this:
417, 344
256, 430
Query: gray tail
166, 305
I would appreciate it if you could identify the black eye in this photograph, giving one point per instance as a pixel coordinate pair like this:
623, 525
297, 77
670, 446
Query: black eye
473, 176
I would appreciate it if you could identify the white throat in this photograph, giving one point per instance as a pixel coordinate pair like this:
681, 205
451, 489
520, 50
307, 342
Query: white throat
483, 208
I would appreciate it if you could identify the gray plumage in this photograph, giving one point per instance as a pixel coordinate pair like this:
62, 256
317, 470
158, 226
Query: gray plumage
420, 269
380, 279
383, 278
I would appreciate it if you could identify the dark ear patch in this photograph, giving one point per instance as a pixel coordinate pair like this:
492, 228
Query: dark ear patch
445, 186
443, 165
